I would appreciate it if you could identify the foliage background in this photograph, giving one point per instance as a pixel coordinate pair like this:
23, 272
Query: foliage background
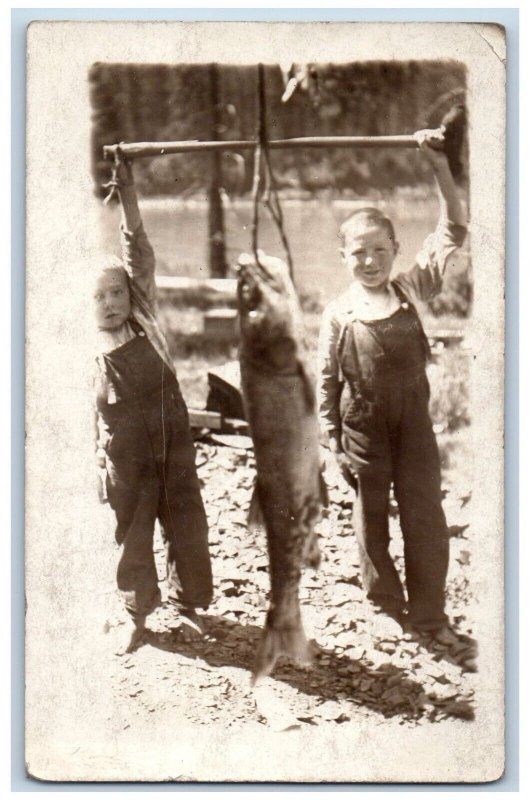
163, 102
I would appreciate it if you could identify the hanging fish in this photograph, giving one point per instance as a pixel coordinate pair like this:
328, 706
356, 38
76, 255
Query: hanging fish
280, 408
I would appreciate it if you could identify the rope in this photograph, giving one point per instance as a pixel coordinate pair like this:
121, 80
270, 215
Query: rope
114, 184
269, 192
272, 202
256, 193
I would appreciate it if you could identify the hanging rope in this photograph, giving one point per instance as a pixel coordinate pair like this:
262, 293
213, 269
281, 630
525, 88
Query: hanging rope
113, 184
269, 194
272, 202
257, 181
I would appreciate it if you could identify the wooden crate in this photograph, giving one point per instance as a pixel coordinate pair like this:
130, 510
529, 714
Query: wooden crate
221, 323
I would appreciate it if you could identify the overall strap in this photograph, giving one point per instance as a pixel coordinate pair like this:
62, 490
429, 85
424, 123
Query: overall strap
403, 298
137, 328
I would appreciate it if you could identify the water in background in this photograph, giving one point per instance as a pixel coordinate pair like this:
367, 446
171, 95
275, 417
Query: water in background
178, 233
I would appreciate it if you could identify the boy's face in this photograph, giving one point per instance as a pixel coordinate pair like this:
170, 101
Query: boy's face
112, 299
369, 253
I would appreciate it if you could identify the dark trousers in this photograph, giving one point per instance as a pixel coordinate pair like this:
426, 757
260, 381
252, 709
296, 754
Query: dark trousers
397, 445
151, 475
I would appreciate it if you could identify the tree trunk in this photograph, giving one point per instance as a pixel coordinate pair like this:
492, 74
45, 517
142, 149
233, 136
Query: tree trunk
216, 229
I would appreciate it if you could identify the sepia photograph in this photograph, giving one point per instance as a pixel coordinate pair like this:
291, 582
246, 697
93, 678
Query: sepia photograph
264, 402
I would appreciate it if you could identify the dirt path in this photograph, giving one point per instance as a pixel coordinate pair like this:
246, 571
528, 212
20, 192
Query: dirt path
366, 668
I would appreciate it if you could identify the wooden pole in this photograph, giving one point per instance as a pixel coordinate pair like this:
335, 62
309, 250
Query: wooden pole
134, 150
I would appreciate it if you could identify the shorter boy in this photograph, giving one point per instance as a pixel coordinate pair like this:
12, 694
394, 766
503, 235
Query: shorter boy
144, 442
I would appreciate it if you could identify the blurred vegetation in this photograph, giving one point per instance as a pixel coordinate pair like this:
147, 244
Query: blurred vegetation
163, 102
195, 353
449, 375
455, 298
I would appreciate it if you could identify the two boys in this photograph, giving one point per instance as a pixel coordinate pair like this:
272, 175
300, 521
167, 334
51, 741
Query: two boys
373, 397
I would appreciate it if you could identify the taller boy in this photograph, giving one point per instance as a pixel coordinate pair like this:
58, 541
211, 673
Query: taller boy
374, 397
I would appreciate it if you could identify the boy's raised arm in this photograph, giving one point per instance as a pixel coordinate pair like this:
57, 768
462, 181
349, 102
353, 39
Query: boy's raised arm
425, 279
130, 211
137, 253
450, 206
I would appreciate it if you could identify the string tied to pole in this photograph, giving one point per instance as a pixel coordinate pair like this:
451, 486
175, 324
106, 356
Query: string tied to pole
266, 190
115, 183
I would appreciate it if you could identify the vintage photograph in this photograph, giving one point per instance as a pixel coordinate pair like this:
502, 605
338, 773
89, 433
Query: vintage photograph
265, 343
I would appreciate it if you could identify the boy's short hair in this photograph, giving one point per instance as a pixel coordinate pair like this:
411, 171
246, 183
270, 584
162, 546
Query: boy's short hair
369, 214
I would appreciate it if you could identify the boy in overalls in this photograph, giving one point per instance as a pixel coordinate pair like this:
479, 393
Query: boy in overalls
374, 398
144, 444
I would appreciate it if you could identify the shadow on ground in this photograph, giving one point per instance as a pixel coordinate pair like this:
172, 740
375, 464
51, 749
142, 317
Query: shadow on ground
387, 690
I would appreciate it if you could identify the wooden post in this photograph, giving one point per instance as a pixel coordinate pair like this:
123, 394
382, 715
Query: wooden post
216, 229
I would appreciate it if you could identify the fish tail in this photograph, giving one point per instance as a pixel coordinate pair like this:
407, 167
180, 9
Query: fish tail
274, 643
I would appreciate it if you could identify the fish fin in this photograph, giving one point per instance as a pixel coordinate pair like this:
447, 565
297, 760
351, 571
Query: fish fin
309, 388
256, 520
275, 643
324, 495
306, 522
311, 551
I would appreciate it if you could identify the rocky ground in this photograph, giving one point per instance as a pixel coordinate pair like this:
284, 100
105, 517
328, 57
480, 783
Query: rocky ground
367, 666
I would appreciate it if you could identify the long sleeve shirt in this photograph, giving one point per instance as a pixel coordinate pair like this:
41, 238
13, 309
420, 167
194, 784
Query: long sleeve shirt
139, 262
420, 283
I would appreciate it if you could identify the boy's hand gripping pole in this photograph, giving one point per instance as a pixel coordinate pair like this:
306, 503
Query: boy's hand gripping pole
121, 171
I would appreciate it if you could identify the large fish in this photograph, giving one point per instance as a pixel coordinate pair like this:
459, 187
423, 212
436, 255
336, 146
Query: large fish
280, 406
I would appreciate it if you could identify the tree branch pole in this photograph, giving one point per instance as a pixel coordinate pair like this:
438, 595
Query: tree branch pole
134, 150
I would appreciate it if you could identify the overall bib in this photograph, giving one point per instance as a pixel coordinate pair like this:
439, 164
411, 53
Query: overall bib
388, 437
151, 475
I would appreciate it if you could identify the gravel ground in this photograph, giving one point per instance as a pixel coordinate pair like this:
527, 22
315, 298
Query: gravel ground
367, 666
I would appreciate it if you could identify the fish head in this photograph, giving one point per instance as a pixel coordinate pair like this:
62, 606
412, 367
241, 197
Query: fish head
269, 313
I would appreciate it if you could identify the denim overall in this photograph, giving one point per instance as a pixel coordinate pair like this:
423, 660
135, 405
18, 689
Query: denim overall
151, 475
387, 435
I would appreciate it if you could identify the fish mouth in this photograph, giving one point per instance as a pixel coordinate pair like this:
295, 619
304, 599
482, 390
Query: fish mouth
249, 290
263, 297
255, 270
249, 295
